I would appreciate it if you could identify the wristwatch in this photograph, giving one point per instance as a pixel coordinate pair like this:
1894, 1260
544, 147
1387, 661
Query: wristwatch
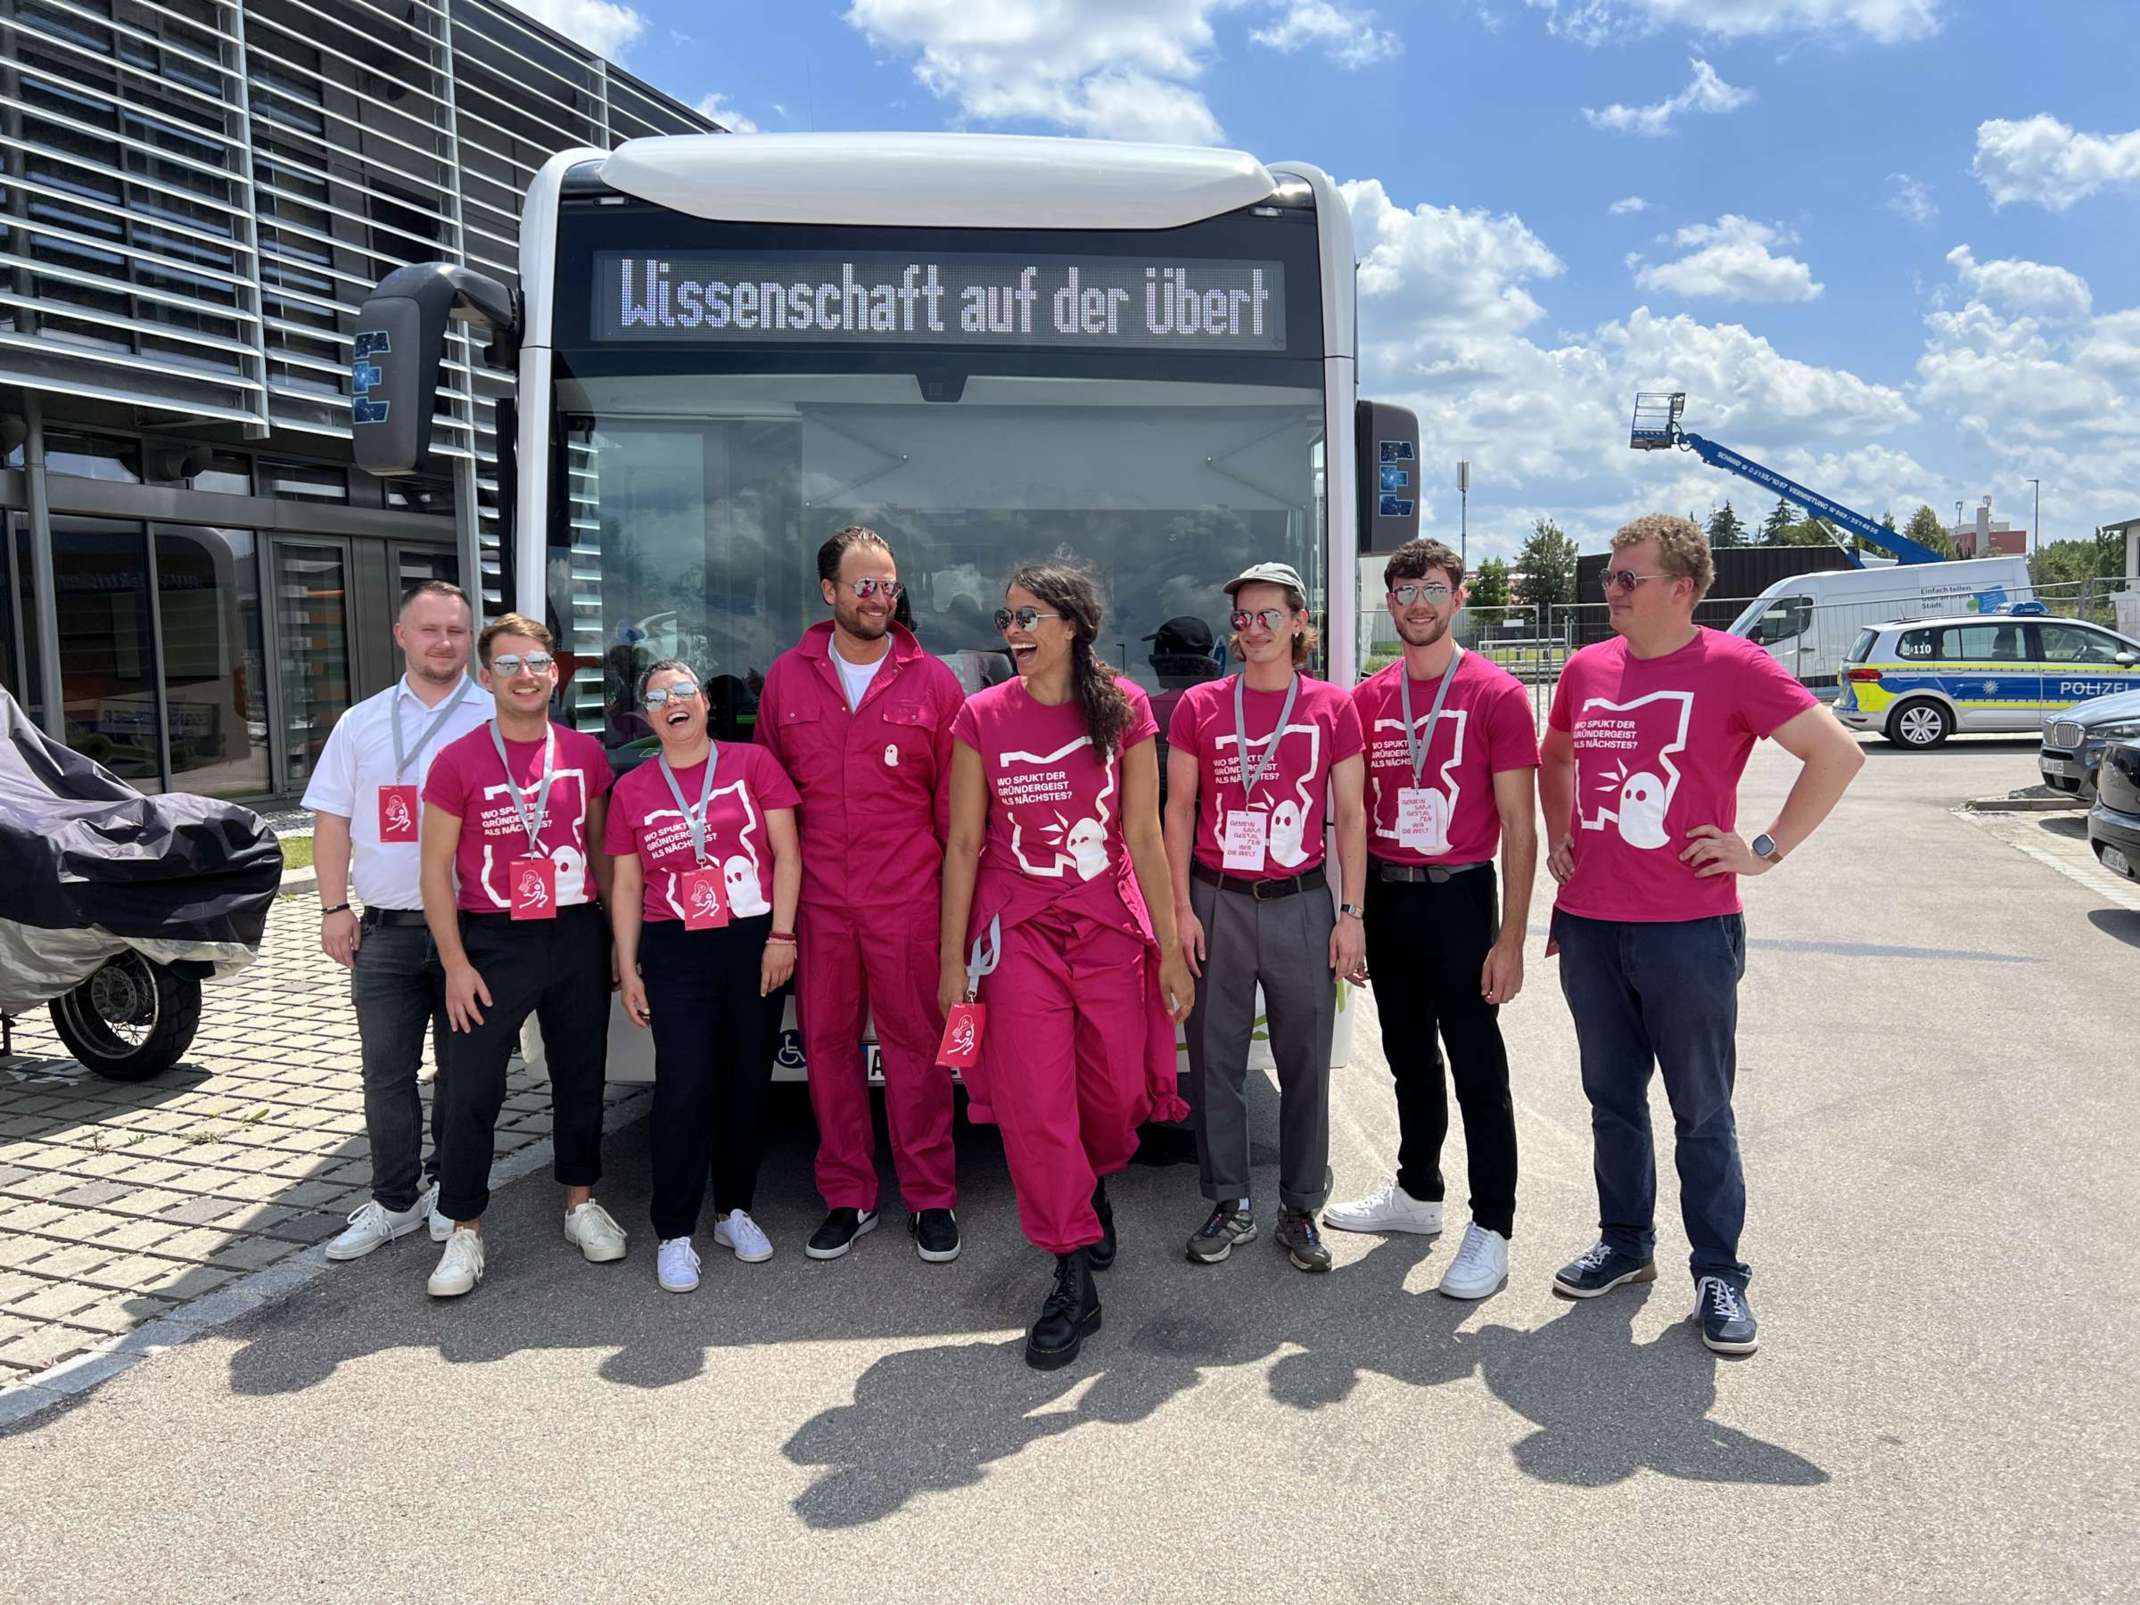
1354, 909
1764, 846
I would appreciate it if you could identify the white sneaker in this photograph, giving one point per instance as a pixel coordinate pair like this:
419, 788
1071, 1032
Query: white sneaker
1480, 1266
738, 1231
461, 1266
598, 1237
373, 1224
676, 1265
441, 1226
1389, 1209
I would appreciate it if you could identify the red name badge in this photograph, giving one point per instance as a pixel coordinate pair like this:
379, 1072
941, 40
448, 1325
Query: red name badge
397, 813
704, 909
961, 1047
534, 888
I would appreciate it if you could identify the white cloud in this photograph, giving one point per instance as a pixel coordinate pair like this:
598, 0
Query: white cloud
716, 107
1908, 197
2043, 160
2028, 287
1706, 92
601, 26
1601, 21
1113, 68
1730, 260
1347, 33
1445, 269
1628, 204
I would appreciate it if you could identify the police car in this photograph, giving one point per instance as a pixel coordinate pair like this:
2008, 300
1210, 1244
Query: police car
1919, 681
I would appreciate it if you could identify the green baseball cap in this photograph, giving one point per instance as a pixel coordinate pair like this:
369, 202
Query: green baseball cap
1269, 574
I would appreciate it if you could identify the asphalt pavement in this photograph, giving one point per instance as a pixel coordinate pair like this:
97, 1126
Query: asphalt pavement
1935, 1099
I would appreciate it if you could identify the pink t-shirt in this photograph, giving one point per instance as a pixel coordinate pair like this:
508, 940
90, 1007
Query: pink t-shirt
1057, 808
1322, 732
1485, 729
467, 781
748, 782
1660, 744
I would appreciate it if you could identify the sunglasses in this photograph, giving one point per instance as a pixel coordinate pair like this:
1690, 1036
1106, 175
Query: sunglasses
511, 663
1023, 617
888, 589
1433, 593
1624, 579
657, 696
1269, 617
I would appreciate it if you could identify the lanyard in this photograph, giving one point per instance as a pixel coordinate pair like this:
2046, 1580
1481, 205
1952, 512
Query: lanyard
1252, 774
1416, 745
987, 953
694, 822
531, 823
403, 760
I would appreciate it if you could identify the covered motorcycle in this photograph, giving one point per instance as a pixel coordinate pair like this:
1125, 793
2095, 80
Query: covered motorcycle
114, 906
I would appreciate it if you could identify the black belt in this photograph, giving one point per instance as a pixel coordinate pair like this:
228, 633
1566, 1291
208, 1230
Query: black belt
1262, 891
392, 916
1436, 873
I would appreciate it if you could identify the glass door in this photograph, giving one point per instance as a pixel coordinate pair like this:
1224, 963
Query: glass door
310, 581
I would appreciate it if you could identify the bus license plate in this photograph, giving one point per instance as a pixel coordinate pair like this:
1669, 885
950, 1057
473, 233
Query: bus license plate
2116, 862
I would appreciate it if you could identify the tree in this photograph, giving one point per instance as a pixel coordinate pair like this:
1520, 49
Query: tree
1489, 584
1926, 529
2099, 557
1806, 532
1726, 528
1777, 522
1546, 567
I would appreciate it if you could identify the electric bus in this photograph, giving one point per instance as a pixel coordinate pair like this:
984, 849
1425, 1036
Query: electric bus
991, 349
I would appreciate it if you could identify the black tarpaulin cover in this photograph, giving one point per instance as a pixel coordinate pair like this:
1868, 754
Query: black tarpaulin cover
80, 848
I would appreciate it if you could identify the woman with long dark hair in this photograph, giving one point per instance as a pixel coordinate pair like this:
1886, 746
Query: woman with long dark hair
1055, 888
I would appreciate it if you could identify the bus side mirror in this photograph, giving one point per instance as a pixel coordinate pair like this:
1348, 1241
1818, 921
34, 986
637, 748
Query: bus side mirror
400, 342
1385, 445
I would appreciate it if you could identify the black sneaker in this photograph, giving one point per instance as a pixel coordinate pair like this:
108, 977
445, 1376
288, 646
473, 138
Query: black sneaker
1727, 1319
1302, 1243
1070, 1315
1600, 1269
1102, 1253
1226, 1228
838, 1234
936, 1235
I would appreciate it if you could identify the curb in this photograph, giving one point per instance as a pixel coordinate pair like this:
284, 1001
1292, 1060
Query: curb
72, 1378
2024, 805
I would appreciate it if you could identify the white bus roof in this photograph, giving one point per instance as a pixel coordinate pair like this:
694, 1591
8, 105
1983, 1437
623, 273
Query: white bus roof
936, 180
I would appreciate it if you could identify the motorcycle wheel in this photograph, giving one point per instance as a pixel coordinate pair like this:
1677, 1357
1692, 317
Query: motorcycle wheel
130, 1020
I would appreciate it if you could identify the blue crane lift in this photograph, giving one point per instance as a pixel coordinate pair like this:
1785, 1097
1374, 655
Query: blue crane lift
1656, 428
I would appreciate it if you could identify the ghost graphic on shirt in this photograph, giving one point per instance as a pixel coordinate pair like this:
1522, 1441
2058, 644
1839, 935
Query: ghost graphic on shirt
1642, 803
1288, 824
1621, 758
1087, 845
1065, 844
745, 896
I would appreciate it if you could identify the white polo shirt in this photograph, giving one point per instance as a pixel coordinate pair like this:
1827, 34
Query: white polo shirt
359, 758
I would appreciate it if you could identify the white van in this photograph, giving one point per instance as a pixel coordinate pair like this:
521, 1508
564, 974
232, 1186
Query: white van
1808, 621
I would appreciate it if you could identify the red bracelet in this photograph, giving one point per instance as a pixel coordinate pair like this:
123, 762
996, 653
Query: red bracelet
781, 936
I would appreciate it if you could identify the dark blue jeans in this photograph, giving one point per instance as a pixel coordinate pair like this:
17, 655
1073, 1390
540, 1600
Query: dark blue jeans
1663, 994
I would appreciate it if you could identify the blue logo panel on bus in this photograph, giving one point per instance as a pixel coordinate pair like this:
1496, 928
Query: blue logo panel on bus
1394, 507
1396, 479
366, 375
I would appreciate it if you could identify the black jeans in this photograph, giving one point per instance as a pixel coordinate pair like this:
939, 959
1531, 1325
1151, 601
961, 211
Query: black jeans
558, 971
1426, 946
713, 1060
398, 988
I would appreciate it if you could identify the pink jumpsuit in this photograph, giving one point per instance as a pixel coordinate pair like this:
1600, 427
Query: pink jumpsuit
1078, 1050
875, 787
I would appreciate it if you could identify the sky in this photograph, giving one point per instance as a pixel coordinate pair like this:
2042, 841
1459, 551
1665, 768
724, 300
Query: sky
1890, 248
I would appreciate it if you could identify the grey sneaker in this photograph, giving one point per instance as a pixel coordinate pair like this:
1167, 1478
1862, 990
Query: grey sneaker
1215, 1239
1302, 1243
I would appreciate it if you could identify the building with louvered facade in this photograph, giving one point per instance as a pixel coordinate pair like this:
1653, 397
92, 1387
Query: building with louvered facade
195, 197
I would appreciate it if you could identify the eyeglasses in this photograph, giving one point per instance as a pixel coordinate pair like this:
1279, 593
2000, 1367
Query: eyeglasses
1023, 617
1624, 579
1433, 593
656, 696
1269, 617
888, 589
511, 663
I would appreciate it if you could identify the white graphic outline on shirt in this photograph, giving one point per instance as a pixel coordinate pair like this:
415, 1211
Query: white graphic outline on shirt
571, 862
1287, 844
1640, 799
1442, 800
1081, 846
739, 871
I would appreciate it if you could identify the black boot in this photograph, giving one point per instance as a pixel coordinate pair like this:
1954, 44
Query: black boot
1071, 1314
1102, 1253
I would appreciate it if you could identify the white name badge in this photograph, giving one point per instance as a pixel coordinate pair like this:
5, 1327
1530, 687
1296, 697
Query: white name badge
1247, 836
1422, 819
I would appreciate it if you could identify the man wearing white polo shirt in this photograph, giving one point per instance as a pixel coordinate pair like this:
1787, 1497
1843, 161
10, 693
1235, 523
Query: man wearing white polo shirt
365, 796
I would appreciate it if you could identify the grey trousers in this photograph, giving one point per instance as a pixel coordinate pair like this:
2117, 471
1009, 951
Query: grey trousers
1283, 943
